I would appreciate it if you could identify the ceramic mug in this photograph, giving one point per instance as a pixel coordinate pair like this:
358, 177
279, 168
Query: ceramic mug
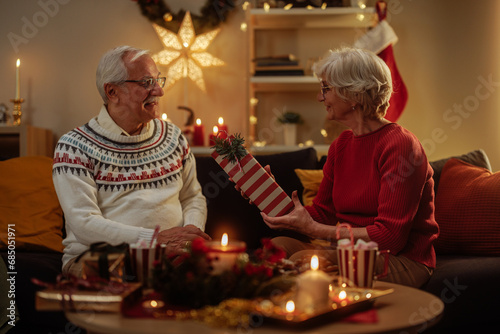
142, 262
357, 264
357, 267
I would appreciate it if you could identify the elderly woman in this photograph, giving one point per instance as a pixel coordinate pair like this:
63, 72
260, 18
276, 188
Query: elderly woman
376, 177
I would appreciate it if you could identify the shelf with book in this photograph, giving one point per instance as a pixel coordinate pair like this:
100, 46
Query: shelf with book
283, 45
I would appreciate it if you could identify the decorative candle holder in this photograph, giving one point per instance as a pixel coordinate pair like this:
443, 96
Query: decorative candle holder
16, 113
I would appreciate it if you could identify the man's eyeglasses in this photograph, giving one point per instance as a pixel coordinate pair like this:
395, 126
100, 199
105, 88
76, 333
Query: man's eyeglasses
325, 89
150, 83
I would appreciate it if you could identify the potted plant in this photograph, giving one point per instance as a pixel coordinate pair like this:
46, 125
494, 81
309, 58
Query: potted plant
290, 119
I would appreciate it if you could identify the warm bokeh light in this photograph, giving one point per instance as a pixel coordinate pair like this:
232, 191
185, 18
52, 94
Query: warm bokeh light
342, 294
220, 121
290, 306
18, 62
224, 240
198, 121
314, 262
164, 116
215, 130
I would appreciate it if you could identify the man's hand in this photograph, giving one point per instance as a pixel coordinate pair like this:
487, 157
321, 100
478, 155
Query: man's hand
178, 238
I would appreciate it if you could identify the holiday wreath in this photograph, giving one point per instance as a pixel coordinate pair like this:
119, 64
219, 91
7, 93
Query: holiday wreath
213, 13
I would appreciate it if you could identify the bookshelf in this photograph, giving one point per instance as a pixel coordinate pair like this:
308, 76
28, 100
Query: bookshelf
308, 35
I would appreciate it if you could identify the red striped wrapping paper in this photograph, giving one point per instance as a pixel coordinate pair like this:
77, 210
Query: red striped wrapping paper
257, 184
142, 260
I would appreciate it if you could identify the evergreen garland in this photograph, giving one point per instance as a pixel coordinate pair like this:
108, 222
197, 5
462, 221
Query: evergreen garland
213, 13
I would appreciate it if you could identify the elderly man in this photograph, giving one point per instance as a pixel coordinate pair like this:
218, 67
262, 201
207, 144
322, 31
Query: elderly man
126, 171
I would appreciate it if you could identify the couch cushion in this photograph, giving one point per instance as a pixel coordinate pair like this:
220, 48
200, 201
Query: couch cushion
310, 179
230, 213
476, 158
463, 282
28, 201
468, 210
46, 267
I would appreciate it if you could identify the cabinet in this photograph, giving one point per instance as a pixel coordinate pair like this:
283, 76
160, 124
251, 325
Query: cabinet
308, 35
25, 140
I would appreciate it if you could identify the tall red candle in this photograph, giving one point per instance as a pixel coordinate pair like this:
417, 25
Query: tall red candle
199, 133
214, 133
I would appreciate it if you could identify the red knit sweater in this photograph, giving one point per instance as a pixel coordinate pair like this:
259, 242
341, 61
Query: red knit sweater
381, 181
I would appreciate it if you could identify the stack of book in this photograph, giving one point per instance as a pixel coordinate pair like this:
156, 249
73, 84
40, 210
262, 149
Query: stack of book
285, 65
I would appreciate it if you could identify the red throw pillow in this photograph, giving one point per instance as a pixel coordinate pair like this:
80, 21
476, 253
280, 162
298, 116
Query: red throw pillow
468, 210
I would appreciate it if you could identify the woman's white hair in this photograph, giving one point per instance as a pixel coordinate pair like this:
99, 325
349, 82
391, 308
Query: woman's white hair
358, 76
112, 69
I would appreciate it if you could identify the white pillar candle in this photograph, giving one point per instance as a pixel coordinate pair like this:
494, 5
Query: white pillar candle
224, 254
18, 83
312, 289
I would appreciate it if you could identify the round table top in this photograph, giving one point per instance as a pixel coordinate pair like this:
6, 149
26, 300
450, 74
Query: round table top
406, 309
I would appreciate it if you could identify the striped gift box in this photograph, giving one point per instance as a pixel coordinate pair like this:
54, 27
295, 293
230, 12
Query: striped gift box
142, 260
257, 184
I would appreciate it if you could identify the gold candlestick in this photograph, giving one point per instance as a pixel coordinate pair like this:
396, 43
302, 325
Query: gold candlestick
16, 113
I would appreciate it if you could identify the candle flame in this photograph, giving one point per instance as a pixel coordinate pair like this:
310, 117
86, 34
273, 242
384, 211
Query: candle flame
342, 294
198, 121
18, 62
221, 121
314, 262
215, 129
154, 303
290, 306
164, 116
224, 241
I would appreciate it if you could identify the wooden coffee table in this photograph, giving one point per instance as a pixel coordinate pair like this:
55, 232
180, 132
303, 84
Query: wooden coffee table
407, 309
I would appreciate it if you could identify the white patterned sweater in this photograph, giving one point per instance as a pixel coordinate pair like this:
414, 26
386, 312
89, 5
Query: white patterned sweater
117, 188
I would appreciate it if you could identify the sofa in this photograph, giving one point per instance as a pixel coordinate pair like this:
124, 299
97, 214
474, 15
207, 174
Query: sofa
467, 210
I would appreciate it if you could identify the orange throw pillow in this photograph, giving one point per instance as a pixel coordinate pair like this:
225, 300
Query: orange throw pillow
468, 210
310, 179
29, 205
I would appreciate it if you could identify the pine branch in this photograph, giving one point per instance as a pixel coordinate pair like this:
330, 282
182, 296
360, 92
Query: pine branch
230, 148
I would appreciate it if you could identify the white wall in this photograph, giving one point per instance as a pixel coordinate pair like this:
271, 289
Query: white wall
446, 51
59, 59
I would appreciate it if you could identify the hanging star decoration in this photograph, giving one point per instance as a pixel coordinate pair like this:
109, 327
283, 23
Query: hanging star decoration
185, 53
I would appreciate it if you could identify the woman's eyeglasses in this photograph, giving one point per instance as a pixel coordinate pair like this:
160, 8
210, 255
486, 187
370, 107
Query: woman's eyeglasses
325, 89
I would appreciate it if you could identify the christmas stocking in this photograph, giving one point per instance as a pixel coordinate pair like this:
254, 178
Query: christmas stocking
380, 40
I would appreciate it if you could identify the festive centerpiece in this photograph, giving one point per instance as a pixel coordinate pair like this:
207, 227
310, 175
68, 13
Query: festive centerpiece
190, 279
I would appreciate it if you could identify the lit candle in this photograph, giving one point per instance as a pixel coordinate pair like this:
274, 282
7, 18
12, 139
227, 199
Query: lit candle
222, 128
18, 83
212, 136
313, 288
290, 306
152, 305
290, 309
199, 133
224, 254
